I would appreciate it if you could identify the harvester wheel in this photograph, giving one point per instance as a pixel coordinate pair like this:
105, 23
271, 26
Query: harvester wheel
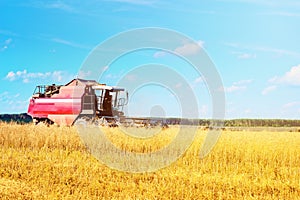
43, 121
81, 122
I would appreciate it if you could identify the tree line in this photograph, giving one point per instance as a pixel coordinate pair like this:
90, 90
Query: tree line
24, 118
238, 122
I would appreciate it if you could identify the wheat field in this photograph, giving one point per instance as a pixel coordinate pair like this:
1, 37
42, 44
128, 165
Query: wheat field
39, 162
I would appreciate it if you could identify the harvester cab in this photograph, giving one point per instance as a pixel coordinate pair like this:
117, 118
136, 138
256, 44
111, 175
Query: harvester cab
103, 101
45, 90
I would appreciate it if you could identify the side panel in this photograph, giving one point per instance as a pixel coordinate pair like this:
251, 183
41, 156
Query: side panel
63, 119
61, 108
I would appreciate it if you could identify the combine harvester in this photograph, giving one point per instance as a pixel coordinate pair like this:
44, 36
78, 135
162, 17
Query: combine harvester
83, 101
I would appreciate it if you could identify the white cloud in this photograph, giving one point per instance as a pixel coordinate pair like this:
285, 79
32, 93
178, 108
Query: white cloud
243, 82
59, 5
199, 80
4, 48
189, 48
26, 77
247, 56
238, 86
70, 43
21, 73
184, 50
242, 55
178, 85
269, 89
131, 77
269, 3
11, 76
232, 44
13, 102
84, 74
5, 44
200, 43
105, 68
292, 77
291, 108
8, 41
160, 54
276, 51
58, 76
26, 80
291, 104
234, 88
136, 2
113, 76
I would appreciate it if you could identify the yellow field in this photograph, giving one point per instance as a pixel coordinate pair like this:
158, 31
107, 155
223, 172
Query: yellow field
39, 162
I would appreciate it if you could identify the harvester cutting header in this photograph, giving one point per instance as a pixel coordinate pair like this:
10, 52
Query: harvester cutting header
79, 99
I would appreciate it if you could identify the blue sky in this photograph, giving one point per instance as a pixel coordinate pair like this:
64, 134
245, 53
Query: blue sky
253, 44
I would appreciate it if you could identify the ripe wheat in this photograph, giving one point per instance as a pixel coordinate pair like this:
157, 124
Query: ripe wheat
39, 162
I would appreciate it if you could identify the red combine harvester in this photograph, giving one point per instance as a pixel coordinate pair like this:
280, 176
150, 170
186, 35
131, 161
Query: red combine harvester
77, 100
